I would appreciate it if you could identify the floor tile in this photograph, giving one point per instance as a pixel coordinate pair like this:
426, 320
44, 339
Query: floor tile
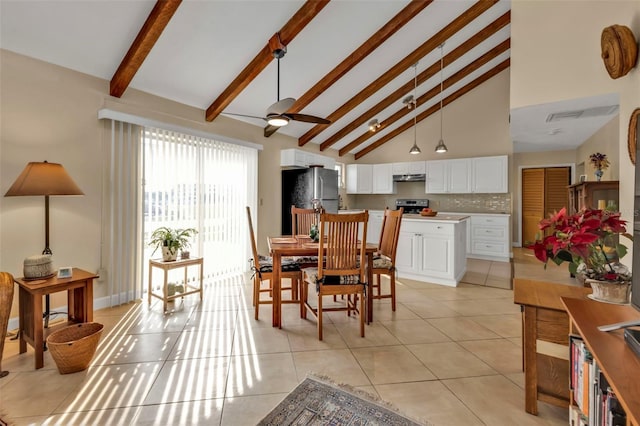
449, 360
428, 401
306, 338
498, 401
501, 354
391, 364
260, 374
338, 364
415, 331
375, 334
249, 410
203, 412
506, 325
176, 381
460, 328
203, 343
135, 348
260, 341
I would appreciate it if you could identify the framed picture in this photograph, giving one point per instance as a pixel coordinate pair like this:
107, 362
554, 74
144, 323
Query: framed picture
65, 272
583, 178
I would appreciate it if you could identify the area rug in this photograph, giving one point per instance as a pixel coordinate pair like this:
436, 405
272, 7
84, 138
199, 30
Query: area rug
318, 401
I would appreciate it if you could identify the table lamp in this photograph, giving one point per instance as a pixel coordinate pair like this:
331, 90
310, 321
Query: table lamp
43, 178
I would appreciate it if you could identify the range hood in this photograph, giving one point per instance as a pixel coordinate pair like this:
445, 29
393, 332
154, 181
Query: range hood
409, 178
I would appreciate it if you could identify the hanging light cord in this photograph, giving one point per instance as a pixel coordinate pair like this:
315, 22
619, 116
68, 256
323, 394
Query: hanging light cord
441, 78
415, 103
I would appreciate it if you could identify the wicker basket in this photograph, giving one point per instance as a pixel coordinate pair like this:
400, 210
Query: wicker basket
73, 347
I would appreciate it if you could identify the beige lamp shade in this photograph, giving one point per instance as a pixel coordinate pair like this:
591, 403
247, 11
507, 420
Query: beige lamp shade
43, 178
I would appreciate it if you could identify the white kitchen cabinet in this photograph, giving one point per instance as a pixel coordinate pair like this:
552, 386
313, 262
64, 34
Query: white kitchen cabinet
359, 178
448, 176
409, 168
382, 175
489, 237
432, 250
489, 174
374, 226
300, 158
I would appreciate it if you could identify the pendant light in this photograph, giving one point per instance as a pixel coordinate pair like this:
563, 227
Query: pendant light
414, 149
441, 147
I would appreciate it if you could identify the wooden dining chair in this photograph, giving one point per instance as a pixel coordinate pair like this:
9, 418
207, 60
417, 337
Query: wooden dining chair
384, 261
341, 266
302, 219
262, 267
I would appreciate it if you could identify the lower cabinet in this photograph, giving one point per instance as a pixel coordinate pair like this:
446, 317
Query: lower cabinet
432, 251
489, 237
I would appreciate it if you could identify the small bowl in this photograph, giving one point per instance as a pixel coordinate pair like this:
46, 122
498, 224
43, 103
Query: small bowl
428, 214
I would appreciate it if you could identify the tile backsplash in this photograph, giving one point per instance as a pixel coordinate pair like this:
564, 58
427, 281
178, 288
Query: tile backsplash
468, 203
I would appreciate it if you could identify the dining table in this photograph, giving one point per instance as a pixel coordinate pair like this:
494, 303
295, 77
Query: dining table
300, 246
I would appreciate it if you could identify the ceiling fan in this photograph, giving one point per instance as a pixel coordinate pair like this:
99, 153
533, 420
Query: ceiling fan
276, 115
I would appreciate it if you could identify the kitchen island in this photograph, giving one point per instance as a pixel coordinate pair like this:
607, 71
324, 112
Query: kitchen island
433, 249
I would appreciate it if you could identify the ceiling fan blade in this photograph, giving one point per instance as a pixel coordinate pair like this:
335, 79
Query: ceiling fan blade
281, 106
307, 118
244, 115
269, 130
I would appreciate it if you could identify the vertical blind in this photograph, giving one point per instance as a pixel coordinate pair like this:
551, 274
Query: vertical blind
195, 182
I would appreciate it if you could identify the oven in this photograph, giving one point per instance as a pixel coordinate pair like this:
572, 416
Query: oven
411, 206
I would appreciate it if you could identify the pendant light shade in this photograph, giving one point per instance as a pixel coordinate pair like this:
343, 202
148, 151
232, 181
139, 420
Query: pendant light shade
441, 147
413, 101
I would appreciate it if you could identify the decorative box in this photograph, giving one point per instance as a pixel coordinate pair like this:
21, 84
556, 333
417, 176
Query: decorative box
38, 266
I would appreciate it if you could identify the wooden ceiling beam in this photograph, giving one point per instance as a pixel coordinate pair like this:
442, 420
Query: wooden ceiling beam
156, 22
451, 98
287, 33
453, 79
365, 49
455, 54
444, 34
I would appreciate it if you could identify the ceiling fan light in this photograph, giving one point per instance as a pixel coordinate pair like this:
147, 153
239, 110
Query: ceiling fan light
441, 147
415, 149
277, 121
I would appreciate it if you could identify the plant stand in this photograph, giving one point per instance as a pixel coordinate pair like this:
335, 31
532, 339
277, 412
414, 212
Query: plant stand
166, 267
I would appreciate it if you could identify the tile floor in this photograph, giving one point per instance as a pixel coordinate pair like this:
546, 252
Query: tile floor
450, 356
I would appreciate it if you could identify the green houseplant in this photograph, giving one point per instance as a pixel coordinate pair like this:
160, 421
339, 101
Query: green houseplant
171, 240
589, 242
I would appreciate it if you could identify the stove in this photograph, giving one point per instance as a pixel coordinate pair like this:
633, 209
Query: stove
411, 206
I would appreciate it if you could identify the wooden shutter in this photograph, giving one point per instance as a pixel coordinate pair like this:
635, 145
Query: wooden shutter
533, 197
556, 181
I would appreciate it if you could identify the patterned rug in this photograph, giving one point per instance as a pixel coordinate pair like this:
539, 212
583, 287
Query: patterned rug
317, 401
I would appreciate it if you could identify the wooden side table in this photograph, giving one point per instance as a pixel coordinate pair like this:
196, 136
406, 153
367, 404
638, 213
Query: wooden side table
166, 267
79, 290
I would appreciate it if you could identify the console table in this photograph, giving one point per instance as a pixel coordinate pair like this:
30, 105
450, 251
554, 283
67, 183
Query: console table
166, 267
79, 290
545, 350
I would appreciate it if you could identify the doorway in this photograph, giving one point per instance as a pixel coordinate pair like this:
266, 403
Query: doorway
544, 191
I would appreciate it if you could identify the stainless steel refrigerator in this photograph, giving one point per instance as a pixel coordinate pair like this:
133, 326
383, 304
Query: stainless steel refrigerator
300, 186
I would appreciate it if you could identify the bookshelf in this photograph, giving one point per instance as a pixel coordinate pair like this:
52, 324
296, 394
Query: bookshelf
617, 362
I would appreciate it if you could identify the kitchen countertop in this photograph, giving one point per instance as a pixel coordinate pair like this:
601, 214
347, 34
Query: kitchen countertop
454, 218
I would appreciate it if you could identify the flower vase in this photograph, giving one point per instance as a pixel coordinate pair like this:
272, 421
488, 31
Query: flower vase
599, 174
610, 291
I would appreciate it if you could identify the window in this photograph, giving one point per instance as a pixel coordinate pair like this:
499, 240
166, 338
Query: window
339, 167
196, 182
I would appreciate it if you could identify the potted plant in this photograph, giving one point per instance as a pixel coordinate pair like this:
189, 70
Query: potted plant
599, 162
170, 241
588, 241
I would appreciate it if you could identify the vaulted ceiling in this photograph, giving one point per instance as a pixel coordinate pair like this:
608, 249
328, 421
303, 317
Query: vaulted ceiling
348, 61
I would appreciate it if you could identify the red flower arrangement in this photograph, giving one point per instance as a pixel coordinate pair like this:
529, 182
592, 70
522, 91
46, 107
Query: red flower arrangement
585, 240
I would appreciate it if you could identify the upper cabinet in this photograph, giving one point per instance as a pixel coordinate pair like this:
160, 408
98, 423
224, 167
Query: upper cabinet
448, 176
382, 175
467, 175
408, 168
299, 158
359, 178
489, 174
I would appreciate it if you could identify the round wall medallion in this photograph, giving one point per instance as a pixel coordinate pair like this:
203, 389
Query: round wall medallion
619, 50
634, 133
